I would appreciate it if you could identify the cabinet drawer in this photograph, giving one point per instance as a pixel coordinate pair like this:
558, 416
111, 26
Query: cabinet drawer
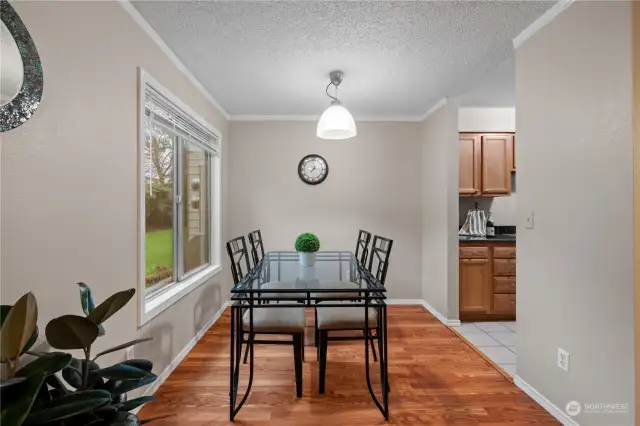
504, 267
504, 284
504, 303
504, 252
474, 252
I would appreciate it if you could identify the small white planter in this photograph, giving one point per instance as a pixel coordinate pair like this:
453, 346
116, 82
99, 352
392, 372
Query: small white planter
307, 259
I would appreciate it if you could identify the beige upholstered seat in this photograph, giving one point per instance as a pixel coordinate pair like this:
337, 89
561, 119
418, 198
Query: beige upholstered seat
338, 284
344, 318
275, 320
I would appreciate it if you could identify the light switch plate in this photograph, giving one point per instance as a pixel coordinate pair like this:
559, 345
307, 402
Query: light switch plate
528, 221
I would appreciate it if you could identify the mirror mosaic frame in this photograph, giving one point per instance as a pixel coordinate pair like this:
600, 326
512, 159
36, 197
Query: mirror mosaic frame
17, 111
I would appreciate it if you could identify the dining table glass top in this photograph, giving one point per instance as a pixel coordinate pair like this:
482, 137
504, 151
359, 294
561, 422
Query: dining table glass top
333, 271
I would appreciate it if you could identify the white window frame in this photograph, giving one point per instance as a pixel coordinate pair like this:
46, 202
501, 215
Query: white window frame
150, 305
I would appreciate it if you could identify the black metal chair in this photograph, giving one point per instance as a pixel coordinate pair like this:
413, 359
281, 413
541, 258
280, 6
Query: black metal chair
282, 321
380, 252
362, 247
257, 249
352, 318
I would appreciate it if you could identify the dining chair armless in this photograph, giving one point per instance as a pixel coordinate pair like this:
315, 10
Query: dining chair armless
362, 246
352, 318
257, 247
283, 321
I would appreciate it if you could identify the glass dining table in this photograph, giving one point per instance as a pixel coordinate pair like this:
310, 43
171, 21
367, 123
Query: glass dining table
279, 281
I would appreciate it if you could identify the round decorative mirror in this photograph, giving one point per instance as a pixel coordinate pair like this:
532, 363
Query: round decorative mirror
20, 71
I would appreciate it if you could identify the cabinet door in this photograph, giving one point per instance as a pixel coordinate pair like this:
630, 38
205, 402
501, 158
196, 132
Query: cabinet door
496, 164
470, 158
475, 286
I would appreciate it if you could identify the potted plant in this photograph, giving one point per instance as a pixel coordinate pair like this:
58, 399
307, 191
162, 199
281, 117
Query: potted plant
307, 245
55, 388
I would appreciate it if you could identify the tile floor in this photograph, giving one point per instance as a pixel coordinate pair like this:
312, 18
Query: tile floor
497, 340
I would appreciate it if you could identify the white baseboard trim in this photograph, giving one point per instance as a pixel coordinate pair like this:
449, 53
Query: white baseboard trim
556, 412
446, 321
183, 354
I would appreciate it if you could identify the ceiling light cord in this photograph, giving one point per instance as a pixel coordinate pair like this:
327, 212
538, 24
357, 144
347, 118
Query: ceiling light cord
335, 98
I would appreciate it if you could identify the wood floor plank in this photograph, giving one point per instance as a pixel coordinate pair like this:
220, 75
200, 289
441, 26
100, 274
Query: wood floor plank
436, 379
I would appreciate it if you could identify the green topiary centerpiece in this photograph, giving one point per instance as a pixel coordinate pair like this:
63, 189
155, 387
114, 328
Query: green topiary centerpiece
307, 245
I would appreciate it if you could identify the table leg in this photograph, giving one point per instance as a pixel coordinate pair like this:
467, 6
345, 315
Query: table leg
384, 407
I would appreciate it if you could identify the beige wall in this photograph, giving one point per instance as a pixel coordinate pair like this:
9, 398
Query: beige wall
575, 268
373, 184
439, 138
69, 175
485, 119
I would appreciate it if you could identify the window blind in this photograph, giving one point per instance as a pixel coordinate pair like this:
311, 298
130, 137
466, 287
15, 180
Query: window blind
161, 109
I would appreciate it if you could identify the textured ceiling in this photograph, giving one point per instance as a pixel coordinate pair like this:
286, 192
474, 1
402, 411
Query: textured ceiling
399, 58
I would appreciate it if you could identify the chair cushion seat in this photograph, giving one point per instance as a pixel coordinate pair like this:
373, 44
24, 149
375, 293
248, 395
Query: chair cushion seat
275, 320
338, 284
344, 318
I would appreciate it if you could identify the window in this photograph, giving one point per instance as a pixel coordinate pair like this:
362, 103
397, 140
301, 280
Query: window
180, 177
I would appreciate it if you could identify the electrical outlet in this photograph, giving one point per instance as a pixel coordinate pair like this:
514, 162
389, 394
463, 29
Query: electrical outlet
563, 359
528, 221
128, 353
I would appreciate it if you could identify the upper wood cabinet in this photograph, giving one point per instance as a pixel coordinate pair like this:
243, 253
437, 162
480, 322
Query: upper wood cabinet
496, 164
486, 163
470, 163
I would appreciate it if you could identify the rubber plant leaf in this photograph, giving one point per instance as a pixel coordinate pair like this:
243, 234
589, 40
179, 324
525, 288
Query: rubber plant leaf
48, 364
68, 406
122, 346
18, 327
71, 332
110, 306
17, 403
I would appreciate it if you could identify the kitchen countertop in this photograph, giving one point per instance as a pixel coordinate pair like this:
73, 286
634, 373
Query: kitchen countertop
509, 238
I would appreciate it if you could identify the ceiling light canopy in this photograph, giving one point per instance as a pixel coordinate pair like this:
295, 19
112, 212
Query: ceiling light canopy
336, 121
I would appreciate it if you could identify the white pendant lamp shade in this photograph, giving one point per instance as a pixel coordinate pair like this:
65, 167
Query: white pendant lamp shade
336, 122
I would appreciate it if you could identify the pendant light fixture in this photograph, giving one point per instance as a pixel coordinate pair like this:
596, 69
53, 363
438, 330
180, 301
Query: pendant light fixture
336, 121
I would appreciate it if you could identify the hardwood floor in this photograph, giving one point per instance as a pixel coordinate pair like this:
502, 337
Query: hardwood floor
436, 379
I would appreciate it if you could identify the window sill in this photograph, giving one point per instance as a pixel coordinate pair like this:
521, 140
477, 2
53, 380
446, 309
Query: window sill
153, 306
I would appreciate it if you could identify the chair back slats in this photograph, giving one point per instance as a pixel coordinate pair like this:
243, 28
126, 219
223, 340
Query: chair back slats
257, 249
238, 254
362, 247
380, 252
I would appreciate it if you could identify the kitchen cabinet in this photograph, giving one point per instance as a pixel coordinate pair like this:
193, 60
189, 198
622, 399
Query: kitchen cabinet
470, 162
475, 286
487, 280
486, 161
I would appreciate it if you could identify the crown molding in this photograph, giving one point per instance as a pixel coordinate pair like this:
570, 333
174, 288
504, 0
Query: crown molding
241, 117
142, 23
442, 102
541, 22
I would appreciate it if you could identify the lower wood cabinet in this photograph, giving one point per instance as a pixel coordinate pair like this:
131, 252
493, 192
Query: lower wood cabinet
487, 280
475, 286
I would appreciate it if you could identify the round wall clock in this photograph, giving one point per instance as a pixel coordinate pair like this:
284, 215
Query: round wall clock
313, 169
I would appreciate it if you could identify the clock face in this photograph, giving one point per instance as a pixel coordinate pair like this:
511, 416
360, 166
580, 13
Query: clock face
313, 169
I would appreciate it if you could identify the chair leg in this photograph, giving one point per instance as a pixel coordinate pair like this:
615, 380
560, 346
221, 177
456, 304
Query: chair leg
323, 358
246, 351
298, 347
315, 326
